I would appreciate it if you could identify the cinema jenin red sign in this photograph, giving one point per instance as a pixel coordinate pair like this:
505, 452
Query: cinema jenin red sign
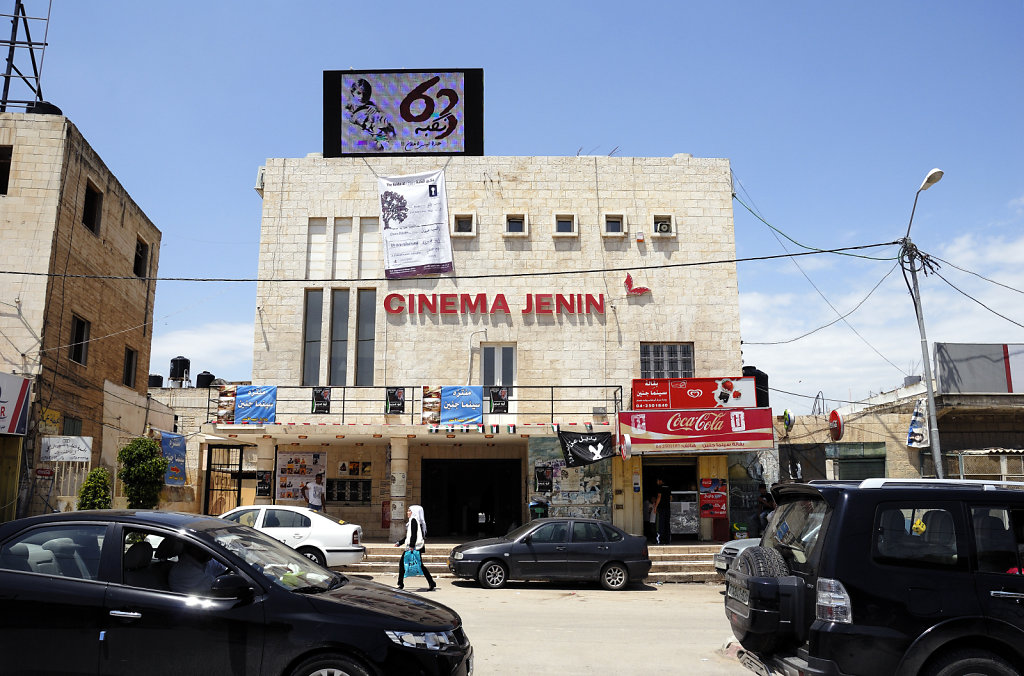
722, 429
482, 303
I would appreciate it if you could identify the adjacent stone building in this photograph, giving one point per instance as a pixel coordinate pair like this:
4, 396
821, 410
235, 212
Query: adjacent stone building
76, 300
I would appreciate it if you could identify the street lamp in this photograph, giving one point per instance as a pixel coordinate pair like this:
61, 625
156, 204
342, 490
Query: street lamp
910, 252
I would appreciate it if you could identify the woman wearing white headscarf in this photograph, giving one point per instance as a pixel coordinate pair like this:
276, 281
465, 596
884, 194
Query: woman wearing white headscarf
415, 534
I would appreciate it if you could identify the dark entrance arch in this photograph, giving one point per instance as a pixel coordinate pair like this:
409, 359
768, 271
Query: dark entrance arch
471, 498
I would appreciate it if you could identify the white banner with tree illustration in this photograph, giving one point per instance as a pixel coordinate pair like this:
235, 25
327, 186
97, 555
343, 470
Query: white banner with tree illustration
414, 225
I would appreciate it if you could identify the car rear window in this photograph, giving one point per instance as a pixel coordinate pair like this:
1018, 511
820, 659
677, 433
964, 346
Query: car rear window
915, 535
794, 531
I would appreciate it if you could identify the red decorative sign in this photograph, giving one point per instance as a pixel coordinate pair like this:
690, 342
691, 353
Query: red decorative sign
44, 471
693, 393
714, 494
733, 429
480, 303
835, 425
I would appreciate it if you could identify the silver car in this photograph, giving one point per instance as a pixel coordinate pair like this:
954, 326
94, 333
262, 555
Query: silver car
730, 550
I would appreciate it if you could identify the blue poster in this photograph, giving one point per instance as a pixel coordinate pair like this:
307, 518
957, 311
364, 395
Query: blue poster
173, 448
255, 404
462, 405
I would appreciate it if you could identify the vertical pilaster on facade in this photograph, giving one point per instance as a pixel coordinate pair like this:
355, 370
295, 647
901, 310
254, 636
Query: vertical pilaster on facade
399, 482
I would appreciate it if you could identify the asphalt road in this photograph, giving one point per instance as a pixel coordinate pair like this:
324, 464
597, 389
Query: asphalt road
564, 629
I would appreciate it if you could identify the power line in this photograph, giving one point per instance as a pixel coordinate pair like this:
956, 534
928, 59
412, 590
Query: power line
971, 272
546, 273
964, 293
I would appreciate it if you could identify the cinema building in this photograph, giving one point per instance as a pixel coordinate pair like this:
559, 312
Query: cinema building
572, 277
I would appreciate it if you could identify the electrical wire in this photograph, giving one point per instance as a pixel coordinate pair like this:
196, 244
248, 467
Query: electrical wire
967, 295
971, 272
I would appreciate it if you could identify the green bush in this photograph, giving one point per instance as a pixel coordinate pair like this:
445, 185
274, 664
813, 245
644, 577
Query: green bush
142, 472
95, 490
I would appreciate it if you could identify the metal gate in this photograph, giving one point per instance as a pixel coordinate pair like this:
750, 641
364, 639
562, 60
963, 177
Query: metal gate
223, 479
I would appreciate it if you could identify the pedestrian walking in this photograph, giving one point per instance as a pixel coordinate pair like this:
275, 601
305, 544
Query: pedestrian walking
414, 540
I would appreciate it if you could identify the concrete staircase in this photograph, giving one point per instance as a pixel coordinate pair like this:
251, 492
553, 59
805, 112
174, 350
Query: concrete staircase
672, 563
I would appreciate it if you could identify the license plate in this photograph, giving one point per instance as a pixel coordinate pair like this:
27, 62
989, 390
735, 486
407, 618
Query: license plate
750, 661
741, 594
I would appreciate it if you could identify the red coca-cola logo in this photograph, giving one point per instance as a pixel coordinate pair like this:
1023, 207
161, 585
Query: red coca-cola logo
705, 422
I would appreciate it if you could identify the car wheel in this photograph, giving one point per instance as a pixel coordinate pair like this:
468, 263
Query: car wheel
492, 575
330, 664
614, 576
761, 562
970, 662
314, 555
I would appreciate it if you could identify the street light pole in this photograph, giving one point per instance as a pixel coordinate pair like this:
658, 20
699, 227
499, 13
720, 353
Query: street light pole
910, 252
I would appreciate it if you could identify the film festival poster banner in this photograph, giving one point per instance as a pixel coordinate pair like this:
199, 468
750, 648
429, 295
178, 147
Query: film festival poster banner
295, 470
255, 404
414, 225
462, 405
321, 400
499, 399
586, 448
172, 446
226, 404
431, 405
395, 403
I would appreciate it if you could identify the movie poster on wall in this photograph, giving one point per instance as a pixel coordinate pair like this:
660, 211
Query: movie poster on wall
414, 225
296, 469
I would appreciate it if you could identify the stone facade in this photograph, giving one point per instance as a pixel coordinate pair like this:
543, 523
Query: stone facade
56, 177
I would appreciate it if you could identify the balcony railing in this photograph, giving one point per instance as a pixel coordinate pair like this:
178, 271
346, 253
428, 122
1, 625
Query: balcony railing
532, 404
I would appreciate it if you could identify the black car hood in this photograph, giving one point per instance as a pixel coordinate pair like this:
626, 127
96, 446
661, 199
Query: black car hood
482, 543
380, 600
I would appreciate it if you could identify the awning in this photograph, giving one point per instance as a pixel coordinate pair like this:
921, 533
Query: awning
224, 441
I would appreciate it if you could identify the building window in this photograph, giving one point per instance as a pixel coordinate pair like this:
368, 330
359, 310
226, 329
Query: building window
141, 259
93, 208
464, 225
663, 226
339, 337
79, 340
498, 366
131, 360
72, 427
666, 360
313, 319
5, 167
517, 225
366, 329
565, 225
614, 225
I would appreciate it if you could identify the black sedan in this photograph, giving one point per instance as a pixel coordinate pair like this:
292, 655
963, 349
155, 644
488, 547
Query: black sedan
555, 549
123, 592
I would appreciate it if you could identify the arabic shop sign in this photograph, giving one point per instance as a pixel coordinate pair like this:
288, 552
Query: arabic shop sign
481, 303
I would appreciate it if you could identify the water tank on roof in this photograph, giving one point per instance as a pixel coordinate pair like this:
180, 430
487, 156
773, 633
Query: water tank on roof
760, 384
179, 368
156, 380
204, 379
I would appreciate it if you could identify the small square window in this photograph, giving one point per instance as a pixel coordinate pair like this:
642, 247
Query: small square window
464, 225
141, 259
565, 225
613, 225
131, 360
79, 340
517, 225
72, 427
663, 226
5, 168
92, 209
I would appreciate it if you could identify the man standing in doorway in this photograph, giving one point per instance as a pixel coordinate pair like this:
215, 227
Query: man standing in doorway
663, 506
315, 493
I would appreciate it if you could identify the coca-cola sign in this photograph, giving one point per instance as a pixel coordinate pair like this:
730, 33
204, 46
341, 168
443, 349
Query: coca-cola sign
693, 393
739, 429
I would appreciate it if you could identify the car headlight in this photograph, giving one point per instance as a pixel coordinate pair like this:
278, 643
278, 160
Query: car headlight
457, 556
427, 640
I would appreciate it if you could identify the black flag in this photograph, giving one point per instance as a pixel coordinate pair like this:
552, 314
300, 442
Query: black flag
586, 448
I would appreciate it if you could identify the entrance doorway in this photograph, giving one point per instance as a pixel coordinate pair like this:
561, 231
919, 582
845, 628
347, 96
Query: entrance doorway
680, 475
472, 498
227, 485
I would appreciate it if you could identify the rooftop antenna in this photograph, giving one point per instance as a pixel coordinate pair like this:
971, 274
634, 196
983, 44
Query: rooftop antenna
24, 63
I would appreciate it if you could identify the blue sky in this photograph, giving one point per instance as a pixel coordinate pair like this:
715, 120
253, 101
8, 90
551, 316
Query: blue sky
830, 113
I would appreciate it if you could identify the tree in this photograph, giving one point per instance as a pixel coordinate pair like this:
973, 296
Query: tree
142, 472
95, 490
393, 207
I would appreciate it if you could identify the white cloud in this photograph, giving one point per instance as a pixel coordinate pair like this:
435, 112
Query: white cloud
223, 349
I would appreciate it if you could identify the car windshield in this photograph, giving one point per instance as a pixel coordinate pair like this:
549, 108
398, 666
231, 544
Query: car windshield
795, 527
279, 563
520, 532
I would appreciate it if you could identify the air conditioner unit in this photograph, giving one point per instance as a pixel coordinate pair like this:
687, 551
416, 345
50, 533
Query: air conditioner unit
663, 227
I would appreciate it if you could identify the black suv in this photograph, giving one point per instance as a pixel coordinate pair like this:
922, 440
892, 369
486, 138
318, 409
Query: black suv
884, 576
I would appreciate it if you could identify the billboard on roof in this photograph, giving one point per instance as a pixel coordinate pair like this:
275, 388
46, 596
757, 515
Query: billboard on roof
403, 112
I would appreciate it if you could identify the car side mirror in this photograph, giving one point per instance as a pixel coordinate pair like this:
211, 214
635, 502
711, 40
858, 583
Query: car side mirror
528, 539
232, 586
